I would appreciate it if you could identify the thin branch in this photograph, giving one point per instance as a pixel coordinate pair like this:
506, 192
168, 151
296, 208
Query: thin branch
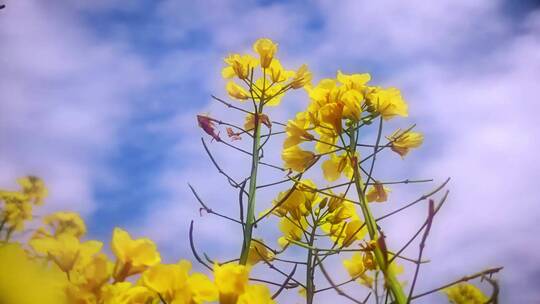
431, 214
193, 250
336, 288
283, 286
209, 210
463, 279
423, 197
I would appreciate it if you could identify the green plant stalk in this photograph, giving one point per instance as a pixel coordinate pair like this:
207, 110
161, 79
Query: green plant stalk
310, 287
391, 281
250, 217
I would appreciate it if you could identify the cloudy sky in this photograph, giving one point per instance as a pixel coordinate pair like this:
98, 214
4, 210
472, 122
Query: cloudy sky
99, 98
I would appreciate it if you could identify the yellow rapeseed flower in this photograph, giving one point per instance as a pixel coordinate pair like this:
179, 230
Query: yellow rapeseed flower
335, 166
63, 223
297, 131
126, 293
297, 159
256, 294
231, 281
236, 91
175, 285
26, 281
65, 250
277, 73
386, 102
301, 78
266, 49
402, 143
465, 293
133, 256
291, 230
354, 81
377, 193
258, 252
34, 188
239, 66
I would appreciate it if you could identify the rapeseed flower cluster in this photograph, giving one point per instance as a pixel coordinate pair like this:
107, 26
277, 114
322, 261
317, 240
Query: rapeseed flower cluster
52, 256
59, 266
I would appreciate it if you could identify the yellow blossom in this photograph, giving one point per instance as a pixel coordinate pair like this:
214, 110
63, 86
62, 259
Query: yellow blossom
465, 293
92, 274
34, 188
335, 166
352, 104
354, 81
297, 159
387, 102
277, 73
301, 78
355, 265
298, 202
133, 256
25, 281
65, 249
17, 210
266, 49
175, 285
258, 252
256, 293
62, 223
377, 193
126, 293
291, 230
231, 281
236, 91
239, 65
402, 143
297, 131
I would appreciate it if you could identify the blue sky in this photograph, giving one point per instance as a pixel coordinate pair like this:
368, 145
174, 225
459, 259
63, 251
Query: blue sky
100, 98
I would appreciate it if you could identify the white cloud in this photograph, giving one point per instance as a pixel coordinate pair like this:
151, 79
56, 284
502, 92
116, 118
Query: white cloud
64, 94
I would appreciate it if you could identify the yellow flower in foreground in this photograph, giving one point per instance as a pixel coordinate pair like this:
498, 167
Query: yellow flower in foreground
297, 159
92, 274
402, 143
34, 188
258, 252
266, 49
174, 284
301, 78
24, 281
126, 293
231, 281
239, 65
256, 294
133, 256
236, 91
65, 250
387, 102
377, 193
465, 293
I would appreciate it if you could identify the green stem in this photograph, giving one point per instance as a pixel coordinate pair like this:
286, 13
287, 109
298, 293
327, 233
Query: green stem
310, 287
250, 217
391, 281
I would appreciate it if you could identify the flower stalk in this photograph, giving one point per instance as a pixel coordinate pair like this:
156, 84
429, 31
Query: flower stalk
371, 224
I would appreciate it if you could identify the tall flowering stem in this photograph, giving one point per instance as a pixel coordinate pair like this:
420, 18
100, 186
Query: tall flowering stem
248, 228
371, 224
